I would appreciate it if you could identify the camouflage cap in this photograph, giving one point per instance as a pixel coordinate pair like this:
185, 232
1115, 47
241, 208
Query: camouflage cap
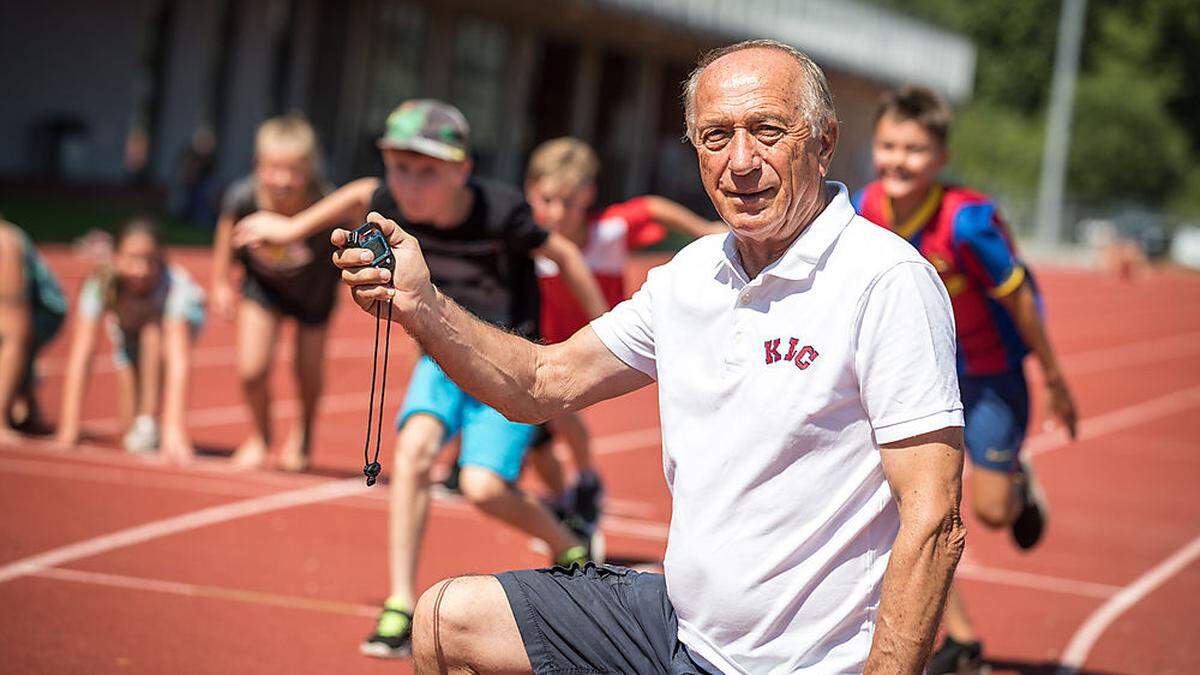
429, 127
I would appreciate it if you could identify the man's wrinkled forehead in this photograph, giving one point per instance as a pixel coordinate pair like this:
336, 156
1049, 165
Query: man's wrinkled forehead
763, 76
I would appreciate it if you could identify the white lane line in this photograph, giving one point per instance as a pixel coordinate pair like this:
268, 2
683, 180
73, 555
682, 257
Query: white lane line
616, 521
178, 524
1139, 353
197, 591
1040, 582
1085, 638
1117, 420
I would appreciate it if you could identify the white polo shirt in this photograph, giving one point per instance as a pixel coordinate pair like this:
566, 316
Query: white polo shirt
775, 394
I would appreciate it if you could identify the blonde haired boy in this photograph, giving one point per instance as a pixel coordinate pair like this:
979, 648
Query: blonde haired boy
560, 186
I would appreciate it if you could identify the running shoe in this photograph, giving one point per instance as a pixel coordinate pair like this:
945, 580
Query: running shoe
1027, 529
960, 658
142, 436
392, 638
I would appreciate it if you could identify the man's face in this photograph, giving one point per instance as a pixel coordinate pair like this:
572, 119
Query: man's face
907, 157
283, 173
759, 164
425, 188
558, 206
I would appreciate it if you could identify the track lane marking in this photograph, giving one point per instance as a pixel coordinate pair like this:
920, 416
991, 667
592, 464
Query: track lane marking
178, 524
198, 591
1076, 653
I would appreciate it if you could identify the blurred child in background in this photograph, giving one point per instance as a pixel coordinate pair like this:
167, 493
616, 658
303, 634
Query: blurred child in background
997, 314
560, 186
295, 281
32, 309
153, 311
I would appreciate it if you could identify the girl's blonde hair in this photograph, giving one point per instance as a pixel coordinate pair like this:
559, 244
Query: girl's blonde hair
292, 131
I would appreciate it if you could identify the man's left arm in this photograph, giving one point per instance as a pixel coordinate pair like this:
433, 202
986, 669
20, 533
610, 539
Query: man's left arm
575, 273
905, 362
925, 476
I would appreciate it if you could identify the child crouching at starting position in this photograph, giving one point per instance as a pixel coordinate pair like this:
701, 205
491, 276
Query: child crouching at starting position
152, 311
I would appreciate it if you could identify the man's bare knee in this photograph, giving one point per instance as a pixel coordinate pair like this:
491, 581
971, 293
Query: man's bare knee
456, 625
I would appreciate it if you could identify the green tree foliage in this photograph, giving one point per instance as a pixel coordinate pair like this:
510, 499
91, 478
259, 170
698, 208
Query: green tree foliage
1136, 126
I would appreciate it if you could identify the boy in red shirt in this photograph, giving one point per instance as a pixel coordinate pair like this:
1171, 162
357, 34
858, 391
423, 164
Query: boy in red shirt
560, 186
997, 314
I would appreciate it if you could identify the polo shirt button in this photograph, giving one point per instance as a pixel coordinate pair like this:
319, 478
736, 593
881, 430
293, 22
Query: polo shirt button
745, 299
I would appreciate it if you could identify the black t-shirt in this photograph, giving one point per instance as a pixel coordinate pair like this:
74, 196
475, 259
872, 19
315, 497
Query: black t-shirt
300, 270
486, 263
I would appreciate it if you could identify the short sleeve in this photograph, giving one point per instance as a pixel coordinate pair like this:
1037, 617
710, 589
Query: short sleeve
522, 233
91, 299
978, 234
239, 200
628, 329
905, 354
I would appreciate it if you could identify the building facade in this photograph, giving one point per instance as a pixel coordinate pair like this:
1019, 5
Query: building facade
112, 90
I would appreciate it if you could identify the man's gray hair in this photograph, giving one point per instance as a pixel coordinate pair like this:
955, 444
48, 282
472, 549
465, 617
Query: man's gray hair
816, 102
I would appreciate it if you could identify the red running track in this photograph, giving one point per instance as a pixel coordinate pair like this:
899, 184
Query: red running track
115, 564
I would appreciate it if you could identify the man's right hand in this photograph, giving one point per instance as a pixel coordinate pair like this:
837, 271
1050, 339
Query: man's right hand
408, 289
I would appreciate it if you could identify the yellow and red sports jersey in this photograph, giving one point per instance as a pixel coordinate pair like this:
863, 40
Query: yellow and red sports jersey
611, 235
960, 232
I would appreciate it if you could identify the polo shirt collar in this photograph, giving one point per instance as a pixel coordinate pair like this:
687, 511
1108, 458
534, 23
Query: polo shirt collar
806, 251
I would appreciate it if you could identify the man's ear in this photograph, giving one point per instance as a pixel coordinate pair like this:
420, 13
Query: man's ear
468, 166
826, 144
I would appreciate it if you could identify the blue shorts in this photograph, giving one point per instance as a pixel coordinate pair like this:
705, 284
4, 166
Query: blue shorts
489, 440
996, 408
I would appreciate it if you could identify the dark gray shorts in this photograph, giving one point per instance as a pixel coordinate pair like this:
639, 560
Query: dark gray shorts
598, 619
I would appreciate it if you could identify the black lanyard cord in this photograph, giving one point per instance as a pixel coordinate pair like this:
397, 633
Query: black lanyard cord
371, 467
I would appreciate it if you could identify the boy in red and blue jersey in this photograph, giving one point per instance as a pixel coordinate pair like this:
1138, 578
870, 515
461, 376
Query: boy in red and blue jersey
997, 313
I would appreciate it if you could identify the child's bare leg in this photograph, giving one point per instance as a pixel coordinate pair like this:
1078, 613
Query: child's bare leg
548, 466
492, 495
309, 365
571, 429
258, 329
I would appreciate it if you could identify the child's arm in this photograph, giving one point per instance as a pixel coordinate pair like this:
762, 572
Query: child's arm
15, 323
79, 366
347, 204
680, 218
177, 353
575, 272
224, 297
1022, 307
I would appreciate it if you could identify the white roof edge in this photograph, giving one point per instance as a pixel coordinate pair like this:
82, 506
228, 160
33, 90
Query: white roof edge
846, 35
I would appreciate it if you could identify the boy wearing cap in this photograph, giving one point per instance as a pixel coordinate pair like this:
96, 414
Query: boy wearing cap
560, 186
480, 240
997, 313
